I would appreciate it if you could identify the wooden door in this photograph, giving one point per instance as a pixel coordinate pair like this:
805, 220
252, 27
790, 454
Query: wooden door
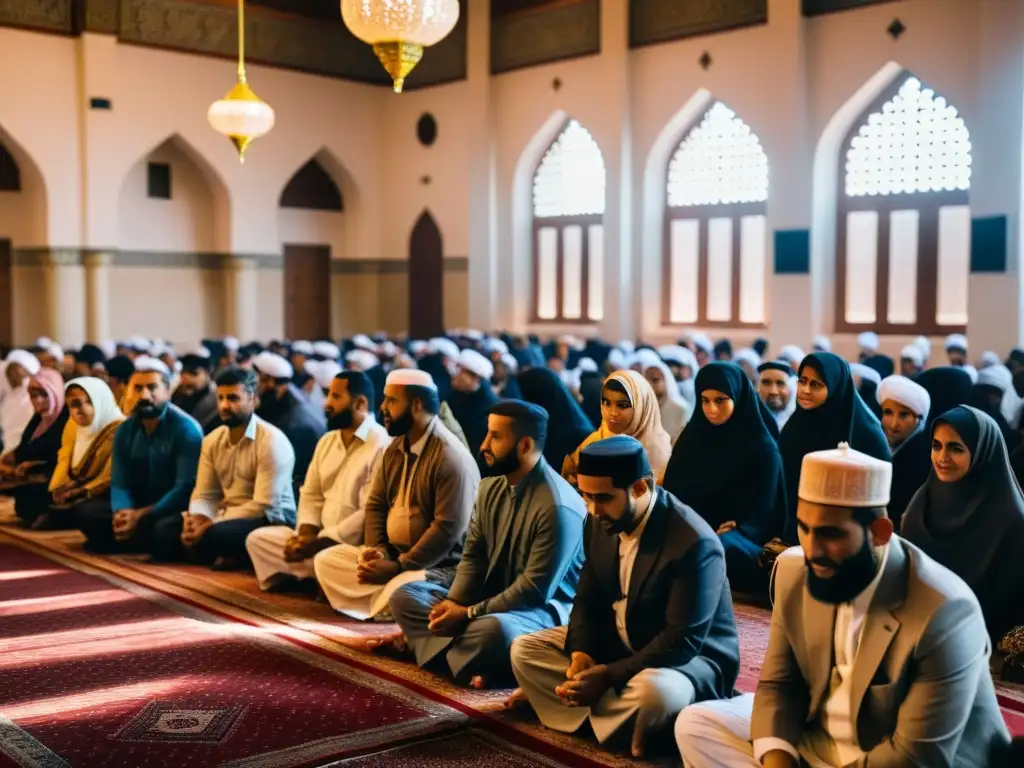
426, 279
307, 292
6, 295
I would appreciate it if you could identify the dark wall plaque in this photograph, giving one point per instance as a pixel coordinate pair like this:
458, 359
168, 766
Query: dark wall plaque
821, 7
658, 21
545, 34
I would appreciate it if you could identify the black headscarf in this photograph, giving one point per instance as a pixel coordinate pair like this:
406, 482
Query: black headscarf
842, 418
732, 471
988, 400
591, 384
975, 526
471, 410
567, 424
883, 364
435, 366
948, 386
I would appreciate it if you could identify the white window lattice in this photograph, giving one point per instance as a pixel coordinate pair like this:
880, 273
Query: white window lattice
570, 178
721, 161
917, 143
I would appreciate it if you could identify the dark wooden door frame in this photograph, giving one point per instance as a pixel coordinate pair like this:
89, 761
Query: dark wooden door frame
307, 291
426, 278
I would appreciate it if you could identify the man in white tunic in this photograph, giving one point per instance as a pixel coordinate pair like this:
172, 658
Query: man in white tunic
418, 509
335, 490
878, 655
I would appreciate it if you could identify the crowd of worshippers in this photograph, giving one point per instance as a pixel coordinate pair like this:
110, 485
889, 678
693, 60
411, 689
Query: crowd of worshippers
574, 519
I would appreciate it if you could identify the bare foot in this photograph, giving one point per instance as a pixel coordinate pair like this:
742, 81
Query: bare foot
394, 643
516, 700
478, 682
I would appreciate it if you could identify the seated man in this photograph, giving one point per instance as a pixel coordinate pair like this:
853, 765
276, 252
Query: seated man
421, 499
153, 469
878, 655
652, 627
520, 565
334, 493
195, 394
244, 479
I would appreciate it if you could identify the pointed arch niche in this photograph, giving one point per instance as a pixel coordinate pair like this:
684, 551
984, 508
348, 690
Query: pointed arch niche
903, 224
23, 217
715, 245
426, 279
568, 231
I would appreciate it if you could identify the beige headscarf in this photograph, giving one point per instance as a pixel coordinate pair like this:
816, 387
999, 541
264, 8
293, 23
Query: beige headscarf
645, 426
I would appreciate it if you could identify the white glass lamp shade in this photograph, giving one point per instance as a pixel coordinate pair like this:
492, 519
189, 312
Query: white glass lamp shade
241, 116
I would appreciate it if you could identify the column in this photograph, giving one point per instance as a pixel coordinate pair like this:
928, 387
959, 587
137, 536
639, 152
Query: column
97, 296
240, 298
65, 296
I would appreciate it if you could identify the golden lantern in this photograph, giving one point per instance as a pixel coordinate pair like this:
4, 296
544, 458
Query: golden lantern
241, 115
399, 30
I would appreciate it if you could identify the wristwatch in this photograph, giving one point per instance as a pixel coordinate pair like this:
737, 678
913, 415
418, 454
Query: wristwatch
472, 611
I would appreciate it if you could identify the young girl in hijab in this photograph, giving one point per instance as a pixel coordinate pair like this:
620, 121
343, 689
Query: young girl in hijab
568, 426
727, 467
969, 514
675, 412
81, 480
26, 469
628, 407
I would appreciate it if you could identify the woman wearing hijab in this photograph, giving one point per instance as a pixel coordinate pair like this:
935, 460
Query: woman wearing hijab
867, 380
728, 468
568, 426
25, 471
987, 396
948, 386
628, 407
829, 411
969, 514
591, 384
905, 407
675, 412
81, 480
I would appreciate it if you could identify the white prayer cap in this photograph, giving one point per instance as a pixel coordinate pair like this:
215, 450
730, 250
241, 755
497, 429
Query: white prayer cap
273, 365
925, 345
496, 345
792, 354
419, 348
25, 359
198, 351
361, 359
748, 356
362, 341
586, 365
302, 348
109, 347
702, 342
230, 343
627, 346
862, 371
475, 363
617, 360
55, 350
323, 371
410, 377
972, 372
44, 342
821, 343
647, 358
997, 376
446, 347
138, 344
905, 392
989, 358
387, 349
474, 335
148, 364
868, 340
845, 478
512, 364
326, 350
913, 353
956, 341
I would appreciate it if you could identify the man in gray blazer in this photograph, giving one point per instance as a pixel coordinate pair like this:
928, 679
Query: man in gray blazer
878, 655
520, 564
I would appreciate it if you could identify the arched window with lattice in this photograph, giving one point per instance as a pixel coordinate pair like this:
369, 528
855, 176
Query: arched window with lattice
568, 239
904, 220
715, 246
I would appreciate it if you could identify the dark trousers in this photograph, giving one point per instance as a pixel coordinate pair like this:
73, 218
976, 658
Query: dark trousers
745, 575
94, 518
222, 539
31, 501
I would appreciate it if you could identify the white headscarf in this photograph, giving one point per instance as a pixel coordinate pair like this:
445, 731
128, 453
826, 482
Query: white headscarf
104, 408
675, 411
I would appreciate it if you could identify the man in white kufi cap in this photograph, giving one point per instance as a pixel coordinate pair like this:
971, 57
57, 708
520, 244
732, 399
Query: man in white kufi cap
417, 511
325, 350
892, 647
821, 343
793, 355
471, 398
905, 405
868, 343
912, 361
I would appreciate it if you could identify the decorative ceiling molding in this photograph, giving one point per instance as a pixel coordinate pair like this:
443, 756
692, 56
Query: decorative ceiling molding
659, 21
547, 34
44, 15
103, 16
822, 7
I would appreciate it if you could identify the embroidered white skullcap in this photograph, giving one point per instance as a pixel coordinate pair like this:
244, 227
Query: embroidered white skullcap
387, 349
845, 478
821, 343
362, 341
617, 360
512, 364
905, 392
148, 364
702, 342
446, 347
363, 359
273, 365
925, 345
326, 350
230, 343
868, 340
997, 376
586, 365
989, 358
419, 348
748, 356
956, 341
792, 354
496, 345
474, 335
913, 353
410, 377
44, 342
862, 371
302, 348
138, 343
324, 371
25, 359
475, 363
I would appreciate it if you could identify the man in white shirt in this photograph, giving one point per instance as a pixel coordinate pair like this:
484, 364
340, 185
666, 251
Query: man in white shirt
334, 492
15, 406
244, 480
878, 655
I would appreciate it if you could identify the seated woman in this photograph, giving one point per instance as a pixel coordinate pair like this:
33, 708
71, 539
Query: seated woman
969, 515
25, 471
675, 411
628, 407
727, 467
81, 480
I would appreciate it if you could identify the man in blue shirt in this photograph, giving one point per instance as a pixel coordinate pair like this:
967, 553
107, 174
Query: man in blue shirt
156, 454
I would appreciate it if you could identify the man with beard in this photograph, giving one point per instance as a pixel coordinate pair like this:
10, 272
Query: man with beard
471, 398
244, 479
195, 394
652, 627
418, 509
519, 568
153, 466
878, 655
776, 386
335, 490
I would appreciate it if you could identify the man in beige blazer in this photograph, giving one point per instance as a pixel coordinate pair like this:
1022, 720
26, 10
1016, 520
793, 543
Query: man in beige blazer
878, 655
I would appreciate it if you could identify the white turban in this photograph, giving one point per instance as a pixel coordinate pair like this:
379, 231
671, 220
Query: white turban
362, 341
913, 353
956, 341
442, 346
25, 359
147, 364
419, 348
323, 371
410, 377
905, 392
496, 345
511, 363
681, 356
821, 343
868, 340
792, 354
586, 365
230, 343
475, 363
748, 356
646, 357
989, 358
997, 376
302, 348
925, 345
702, 342
864, 372
616, 359
273, 365
326, 350
362, 358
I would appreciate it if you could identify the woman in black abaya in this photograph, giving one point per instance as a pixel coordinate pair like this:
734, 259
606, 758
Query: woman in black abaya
567, 425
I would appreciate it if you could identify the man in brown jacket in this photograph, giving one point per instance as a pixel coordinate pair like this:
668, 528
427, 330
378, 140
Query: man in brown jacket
418, 509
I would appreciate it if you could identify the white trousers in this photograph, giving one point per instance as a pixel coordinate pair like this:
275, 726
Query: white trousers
716, 734
654, 696
335, 569
266, 550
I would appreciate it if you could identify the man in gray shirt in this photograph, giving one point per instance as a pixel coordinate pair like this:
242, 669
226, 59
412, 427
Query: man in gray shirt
244, 480
520, 564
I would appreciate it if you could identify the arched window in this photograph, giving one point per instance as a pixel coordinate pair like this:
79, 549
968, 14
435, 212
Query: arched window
904, 223
714, 268
568, 239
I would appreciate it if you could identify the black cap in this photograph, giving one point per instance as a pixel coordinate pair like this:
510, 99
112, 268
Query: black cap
521, 410
622, 458
192, 362
120, 367
775, 365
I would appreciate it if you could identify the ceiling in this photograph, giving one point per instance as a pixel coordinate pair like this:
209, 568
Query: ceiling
321, 10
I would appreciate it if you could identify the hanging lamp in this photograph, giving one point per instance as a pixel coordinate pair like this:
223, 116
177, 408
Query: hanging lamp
399, 30
241, 115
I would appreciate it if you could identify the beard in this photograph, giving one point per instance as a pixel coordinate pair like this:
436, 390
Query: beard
851, 577
149, 410
400, 426
340, 420
624, 523
775, 403
235, 419
499, 466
